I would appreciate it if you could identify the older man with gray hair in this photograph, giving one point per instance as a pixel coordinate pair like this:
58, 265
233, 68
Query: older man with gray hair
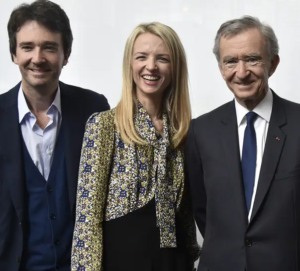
243, 160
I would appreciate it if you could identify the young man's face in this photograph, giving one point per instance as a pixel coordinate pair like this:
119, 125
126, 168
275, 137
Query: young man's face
40, 57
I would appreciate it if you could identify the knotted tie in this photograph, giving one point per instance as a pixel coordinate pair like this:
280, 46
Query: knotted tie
249, 157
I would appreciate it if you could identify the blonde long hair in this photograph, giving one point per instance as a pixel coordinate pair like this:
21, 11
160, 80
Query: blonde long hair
176, 99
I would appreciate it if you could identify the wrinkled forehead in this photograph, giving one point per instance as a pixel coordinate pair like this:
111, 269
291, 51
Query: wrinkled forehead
247, 42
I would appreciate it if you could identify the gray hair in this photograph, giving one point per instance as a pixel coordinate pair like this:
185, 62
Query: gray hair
236, 26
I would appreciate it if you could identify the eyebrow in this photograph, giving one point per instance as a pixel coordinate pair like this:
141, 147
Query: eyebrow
143, 53
26, 43
52, 43
226, 58
164, 55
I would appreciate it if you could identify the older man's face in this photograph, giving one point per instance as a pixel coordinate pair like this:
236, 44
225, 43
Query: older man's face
246, 67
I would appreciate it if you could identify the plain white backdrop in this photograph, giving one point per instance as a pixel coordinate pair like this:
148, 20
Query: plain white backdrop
101, 27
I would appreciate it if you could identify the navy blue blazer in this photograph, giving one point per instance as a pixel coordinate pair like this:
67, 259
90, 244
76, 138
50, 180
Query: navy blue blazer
271, 240
77, 105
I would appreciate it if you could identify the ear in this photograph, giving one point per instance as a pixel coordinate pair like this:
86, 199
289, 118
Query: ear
274, 63
221, 71
15, 59
66, 60
66, 56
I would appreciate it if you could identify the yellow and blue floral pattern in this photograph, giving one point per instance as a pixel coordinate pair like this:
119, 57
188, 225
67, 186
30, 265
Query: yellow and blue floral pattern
116, 178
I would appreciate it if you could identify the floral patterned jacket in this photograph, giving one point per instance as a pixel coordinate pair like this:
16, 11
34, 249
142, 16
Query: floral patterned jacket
116, 178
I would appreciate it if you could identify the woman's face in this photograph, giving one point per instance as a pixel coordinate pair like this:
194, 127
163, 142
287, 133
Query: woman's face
150, 65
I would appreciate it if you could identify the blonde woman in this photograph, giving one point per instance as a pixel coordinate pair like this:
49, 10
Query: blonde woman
132, 206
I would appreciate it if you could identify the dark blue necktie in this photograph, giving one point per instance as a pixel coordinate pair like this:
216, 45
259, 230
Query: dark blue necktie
249, 157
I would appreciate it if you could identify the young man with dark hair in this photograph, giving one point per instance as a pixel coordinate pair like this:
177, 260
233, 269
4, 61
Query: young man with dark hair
42, 123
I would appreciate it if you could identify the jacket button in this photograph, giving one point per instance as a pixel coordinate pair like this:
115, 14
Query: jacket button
248, 243
18, 259
49, 189
58, 266
52, 216
57, 242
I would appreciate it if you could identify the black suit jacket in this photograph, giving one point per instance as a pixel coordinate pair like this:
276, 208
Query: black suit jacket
271, 240
77, 105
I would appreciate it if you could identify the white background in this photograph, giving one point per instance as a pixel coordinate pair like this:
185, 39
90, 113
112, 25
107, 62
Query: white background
101, 27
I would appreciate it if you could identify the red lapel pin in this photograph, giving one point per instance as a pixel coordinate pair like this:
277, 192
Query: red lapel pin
277, 138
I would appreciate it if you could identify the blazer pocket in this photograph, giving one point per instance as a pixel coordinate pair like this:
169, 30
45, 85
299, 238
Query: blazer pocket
287, 174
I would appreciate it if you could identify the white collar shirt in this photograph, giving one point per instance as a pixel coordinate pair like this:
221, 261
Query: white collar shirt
40, 143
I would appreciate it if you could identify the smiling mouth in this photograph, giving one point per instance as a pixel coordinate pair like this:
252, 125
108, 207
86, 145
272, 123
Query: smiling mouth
244, 85
151, 78
39, 70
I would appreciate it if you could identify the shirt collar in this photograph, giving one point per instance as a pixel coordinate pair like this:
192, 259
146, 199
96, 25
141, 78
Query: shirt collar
263, 109
24, 109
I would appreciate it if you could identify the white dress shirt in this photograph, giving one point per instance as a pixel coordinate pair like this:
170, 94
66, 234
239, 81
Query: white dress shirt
40, 143
261, 125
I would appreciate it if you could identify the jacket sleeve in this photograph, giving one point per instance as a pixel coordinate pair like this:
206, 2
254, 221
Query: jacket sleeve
195, 179
188, 224
96, 156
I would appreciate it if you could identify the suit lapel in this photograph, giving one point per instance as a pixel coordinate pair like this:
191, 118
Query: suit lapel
73, 127
230, 141
274, 144
11, 149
